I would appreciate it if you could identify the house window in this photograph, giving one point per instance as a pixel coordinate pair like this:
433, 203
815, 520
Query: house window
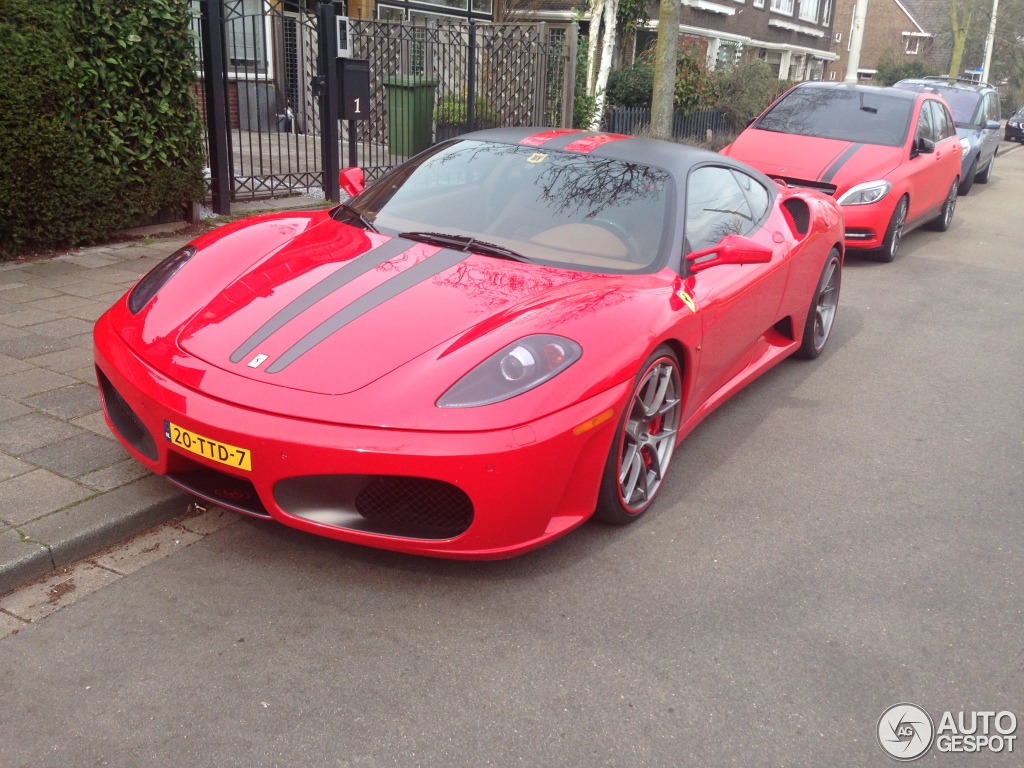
809, 10
389, 13
913, 46
759, 3
783, 6
826, 12
245, 26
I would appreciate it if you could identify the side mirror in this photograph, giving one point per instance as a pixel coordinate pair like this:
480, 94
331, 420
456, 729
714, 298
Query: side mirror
924, 146
731, 249
352, 180
993, 125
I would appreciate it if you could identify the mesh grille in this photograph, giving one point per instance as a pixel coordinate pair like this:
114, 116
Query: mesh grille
127, 424
800, 212
417, 502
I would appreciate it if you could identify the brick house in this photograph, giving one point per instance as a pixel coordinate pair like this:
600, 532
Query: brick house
792, 36
894, 30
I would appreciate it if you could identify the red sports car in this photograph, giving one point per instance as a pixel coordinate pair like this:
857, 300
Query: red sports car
890, 157
500, 337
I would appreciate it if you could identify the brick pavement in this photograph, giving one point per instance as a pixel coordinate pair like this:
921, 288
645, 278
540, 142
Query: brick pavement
67, 488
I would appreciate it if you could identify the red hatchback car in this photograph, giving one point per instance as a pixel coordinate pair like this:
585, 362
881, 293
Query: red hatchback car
891, 158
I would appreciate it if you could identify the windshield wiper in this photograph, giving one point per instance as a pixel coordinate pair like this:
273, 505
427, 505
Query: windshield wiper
466, 244
367, 224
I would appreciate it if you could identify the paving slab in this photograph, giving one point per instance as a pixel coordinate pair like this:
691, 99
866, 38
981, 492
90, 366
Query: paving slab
67, 488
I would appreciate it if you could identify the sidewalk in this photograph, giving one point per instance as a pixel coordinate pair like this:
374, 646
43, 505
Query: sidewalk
67, 488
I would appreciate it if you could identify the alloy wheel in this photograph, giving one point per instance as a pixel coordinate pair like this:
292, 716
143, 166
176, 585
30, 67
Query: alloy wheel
649, 435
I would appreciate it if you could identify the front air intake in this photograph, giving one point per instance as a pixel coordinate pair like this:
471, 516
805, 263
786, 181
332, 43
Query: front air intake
417, 503
128, 425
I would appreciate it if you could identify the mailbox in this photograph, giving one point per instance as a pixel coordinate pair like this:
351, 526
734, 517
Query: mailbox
354, 88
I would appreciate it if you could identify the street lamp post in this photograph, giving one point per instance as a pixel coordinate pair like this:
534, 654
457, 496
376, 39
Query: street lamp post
989, 42
860, 13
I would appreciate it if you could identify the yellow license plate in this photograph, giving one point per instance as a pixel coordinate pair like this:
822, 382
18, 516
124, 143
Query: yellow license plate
214, 450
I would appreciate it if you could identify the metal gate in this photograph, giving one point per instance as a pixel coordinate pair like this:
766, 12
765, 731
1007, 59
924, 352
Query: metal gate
268, 102
262, 58
433, 81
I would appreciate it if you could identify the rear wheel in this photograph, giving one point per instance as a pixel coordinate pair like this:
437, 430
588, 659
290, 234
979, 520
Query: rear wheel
644, 442
941, 222
893, 233
823, 307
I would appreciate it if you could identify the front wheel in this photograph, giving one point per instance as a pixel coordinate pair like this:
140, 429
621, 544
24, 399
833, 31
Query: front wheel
968, 180
644, 442
941, 222
893, 233
822, 312
984, 176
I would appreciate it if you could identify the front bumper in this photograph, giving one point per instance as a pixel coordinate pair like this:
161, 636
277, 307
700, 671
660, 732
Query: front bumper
866, 224
1014, 132
526, 485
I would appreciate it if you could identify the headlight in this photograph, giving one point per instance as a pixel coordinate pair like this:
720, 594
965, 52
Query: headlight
517, 368
155, 279
864, 194
965, 145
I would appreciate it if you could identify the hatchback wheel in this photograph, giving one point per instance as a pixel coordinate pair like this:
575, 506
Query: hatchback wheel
941, 222
893, 233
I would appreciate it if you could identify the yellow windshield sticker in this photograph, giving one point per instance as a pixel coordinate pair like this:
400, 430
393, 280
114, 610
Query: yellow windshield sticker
537, 157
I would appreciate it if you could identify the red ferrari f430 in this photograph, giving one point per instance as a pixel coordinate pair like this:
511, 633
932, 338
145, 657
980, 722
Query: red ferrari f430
497, 340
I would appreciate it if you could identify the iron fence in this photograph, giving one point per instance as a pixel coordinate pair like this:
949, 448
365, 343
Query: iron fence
701, 125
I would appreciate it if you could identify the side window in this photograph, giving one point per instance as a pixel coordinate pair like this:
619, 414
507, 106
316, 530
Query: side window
925, 125
994, 112
757, 196
716, 206
944, 123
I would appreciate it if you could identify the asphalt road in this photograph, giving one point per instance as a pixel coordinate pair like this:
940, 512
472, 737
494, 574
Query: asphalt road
842, 536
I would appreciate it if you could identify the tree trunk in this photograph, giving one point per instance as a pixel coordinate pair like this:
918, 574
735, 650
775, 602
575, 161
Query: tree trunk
611, 9
596, 14
960, 23
665, 54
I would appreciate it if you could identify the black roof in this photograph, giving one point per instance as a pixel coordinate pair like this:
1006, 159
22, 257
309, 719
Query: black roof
675, 158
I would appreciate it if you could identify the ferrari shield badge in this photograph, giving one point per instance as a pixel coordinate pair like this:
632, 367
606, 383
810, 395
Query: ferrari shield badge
687, 299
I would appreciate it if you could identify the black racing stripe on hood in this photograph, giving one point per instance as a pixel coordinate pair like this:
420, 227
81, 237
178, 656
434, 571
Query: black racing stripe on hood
334, 281
840, 162
403, 281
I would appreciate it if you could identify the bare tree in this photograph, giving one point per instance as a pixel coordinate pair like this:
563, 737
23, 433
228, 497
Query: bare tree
960, 13
665, 54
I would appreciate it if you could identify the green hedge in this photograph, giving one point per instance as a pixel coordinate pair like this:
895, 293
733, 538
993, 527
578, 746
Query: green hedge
98, 125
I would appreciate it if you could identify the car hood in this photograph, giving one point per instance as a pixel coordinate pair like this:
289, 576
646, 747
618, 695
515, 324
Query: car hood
808, 158
330, 317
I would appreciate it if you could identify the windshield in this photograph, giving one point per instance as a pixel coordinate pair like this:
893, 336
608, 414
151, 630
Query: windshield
963, 103
843, 114
552, 207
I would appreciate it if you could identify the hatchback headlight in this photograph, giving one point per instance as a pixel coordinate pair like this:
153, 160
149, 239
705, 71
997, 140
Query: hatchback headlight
517, 368
865, 194
965, 145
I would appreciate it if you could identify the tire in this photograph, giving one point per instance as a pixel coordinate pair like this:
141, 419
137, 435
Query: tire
941, 222
984, 176
968, 181
893, 233
822, 312
644, 442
